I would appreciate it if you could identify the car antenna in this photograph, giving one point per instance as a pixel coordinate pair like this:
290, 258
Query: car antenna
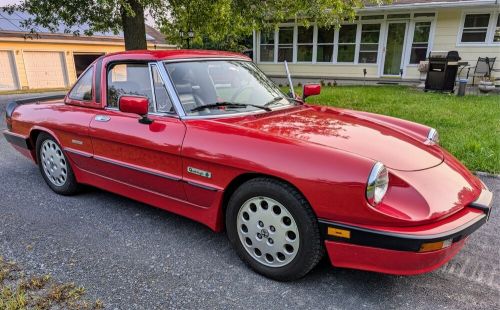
290, 83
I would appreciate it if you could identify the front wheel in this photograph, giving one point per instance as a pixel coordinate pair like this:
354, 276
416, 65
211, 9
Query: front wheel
273, 229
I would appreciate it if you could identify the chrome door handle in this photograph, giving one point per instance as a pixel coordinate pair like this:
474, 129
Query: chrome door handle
102, 118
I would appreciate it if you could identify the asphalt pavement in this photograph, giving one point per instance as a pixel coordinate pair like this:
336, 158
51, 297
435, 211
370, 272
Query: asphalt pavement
133, 256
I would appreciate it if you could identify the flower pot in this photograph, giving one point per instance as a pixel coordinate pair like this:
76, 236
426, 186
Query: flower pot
486, 86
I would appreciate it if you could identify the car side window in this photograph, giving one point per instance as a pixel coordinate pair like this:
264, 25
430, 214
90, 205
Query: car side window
129, 79
163, 101
83, 88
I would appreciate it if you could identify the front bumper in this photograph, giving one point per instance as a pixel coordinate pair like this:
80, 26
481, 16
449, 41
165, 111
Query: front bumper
404, 251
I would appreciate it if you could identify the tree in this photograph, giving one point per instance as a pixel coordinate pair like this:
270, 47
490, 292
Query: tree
100, 15
225, 24
221, 24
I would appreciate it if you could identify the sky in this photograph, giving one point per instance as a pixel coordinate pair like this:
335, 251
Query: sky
4, 2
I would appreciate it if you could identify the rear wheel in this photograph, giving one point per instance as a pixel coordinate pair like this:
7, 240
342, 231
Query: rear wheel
273, 229
54, 166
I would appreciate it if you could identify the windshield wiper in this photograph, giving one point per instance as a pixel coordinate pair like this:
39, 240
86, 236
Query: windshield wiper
229, 105
274, 101
277, 99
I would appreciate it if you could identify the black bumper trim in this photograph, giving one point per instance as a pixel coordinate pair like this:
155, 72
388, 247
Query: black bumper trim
398, 241
17, 140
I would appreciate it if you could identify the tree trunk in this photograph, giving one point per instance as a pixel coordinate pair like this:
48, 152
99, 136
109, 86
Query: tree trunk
134, 29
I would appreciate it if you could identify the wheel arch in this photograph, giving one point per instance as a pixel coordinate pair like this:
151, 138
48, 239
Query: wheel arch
34, 134
245, 177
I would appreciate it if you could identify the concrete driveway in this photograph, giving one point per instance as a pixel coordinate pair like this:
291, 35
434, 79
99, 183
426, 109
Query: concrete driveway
133, 256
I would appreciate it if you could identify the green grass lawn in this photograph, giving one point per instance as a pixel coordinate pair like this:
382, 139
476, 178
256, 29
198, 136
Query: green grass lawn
469, 127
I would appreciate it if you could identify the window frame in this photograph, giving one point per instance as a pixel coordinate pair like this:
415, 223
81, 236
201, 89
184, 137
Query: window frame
259, 44
277, 43
490, 32
163, 76
317, 44
359, 43
411, 35
356, 42
296, 44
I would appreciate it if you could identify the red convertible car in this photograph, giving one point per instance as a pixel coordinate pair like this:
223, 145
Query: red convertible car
208, 136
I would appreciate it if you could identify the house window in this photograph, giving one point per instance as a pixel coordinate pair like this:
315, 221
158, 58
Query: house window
420, 42
285, 44
267, 46
417, 15
325, 45
496, 37
475, 28
305, 43
368, 50
347, 43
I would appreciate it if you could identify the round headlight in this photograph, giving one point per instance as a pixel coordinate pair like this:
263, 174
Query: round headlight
433, 136
378, 182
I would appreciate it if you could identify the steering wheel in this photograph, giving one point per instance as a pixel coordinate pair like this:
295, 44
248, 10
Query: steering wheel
239, 91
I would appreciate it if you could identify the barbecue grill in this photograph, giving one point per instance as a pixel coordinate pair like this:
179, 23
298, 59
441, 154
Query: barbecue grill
443, 67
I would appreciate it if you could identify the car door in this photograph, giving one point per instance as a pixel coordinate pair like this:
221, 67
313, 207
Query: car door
145, 156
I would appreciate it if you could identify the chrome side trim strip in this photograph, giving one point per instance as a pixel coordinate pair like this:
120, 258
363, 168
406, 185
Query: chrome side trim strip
161, 175
209, 188
73, 151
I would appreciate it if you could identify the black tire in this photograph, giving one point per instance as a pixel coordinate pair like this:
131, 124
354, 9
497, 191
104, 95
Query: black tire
310, 249
69, 186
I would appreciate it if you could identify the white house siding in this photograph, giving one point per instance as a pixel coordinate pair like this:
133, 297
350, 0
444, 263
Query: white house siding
444, 36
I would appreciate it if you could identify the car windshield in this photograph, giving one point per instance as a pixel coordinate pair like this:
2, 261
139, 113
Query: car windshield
223, 86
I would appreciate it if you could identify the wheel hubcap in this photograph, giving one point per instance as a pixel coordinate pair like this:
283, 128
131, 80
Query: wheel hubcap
54, 163
268, 231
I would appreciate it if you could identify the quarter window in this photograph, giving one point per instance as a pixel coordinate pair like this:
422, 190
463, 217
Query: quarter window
285, 44
475, 28
420, 43
305, 43
83, 88
368, 50
267, 46
325, 45
162, 99
129, 79
347, 43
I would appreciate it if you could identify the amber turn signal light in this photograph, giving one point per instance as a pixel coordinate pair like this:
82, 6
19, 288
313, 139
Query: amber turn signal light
434, 246
336, 232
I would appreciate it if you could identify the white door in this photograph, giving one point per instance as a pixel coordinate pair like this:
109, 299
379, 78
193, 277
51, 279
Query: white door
8, 79
394, 48
45, 69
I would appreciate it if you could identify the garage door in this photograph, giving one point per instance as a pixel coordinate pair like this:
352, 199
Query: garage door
7, 71
45, 69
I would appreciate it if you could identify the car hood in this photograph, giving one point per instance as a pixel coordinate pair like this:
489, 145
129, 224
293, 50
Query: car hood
351, 132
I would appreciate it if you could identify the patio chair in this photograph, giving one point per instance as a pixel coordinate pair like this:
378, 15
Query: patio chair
483, 68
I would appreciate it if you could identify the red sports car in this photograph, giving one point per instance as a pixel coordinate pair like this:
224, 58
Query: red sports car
207, 135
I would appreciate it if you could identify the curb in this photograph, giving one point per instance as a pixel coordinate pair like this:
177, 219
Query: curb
487, 174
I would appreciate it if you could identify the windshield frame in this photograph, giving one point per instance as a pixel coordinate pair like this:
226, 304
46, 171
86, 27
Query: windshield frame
183, 113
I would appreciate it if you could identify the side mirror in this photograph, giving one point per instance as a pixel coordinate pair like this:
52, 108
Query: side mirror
136, 105
311, 90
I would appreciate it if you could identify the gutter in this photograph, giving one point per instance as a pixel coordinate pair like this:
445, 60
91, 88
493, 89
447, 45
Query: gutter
429, 5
